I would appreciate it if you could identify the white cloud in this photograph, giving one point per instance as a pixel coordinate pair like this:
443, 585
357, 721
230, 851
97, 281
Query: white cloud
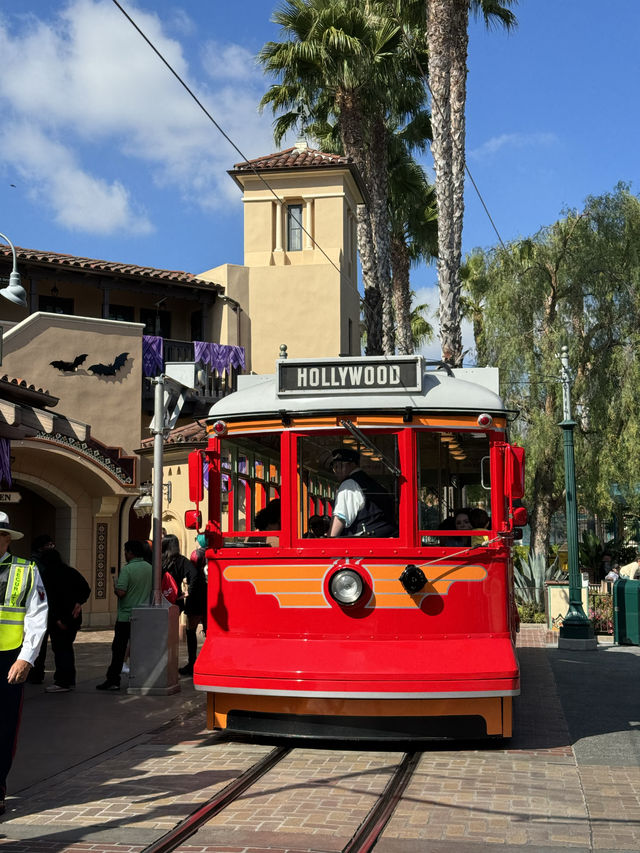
181, 22
513, 141
92, 91
80, 201
229, 61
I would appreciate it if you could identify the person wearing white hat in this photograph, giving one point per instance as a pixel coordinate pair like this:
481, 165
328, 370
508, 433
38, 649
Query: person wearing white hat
23, 621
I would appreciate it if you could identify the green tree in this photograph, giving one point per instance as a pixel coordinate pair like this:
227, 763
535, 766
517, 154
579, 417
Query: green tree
475, 284
447, 43
346, 61
577, 283
422, 332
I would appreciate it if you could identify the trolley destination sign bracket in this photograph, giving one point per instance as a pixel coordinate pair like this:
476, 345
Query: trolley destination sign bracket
353, 375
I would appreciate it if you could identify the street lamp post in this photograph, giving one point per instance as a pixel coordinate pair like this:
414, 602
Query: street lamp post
14, 292
576, 631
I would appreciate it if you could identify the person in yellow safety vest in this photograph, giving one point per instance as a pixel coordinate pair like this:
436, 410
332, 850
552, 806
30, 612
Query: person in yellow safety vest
23, 621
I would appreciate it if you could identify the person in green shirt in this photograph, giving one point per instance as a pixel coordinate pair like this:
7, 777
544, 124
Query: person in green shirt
133, 588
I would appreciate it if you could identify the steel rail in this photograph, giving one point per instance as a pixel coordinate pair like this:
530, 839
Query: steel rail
371, 828
190, 825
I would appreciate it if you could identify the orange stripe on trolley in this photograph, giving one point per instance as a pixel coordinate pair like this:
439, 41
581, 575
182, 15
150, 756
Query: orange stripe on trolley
390, 420
301, 585
277, 586
292, 600
255, 572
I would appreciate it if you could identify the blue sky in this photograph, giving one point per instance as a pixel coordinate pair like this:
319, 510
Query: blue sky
102, 154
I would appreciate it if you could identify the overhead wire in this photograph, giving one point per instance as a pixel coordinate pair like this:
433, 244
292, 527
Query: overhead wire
221, 130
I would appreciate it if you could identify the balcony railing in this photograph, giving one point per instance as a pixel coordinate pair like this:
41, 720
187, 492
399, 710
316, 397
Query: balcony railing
178, 350
220, 362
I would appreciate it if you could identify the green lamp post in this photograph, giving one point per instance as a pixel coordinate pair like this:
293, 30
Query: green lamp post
576, 631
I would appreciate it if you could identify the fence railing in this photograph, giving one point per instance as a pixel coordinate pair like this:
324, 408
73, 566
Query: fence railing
600, 605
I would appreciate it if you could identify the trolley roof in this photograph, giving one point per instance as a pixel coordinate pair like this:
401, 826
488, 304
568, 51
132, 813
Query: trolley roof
308, 386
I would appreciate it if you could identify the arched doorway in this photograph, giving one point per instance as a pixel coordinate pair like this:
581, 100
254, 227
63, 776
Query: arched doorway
40, 511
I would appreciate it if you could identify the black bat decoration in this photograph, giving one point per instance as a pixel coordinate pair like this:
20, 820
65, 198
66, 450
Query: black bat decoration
68, 366
109, 369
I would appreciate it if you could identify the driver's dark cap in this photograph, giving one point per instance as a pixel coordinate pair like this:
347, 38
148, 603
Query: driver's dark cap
345, 454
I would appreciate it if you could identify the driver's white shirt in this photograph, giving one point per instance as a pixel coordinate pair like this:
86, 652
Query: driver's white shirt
349, 501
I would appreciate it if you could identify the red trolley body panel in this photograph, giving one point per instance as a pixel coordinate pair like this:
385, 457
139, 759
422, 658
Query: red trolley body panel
283, 653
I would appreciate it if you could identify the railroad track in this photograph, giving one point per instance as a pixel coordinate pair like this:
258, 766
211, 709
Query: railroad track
363, 839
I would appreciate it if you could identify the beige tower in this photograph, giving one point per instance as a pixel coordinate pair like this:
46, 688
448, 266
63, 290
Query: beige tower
300, 253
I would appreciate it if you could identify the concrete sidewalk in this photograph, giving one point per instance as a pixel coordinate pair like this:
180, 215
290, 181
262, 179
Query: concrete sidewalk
61, 730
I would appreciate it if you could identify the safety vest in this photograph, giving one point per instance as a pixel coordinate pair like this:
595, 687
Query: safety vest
13, 608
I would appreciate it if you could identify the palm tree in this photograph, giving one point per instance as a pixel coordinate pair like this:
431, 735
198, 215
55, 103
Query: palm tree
412, 214
475, 285
422, 331
414, 231
343, 61
447, 41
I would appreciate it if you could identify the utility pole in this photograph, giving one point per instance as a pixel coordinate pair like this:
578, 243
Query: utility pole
576, 631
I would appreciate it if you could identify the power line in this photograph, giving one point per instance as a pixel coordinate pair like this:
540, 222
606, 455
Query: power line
220, 129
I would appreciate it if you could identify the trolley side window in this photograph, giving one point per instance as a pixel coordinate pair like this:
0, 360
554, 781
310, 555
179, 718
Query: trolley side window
453, 482
328, 466
250, 469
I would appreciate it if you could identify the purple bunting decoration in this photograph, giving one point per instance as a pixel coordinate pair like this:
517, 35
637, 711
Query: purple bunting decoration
219, 357
5, 462
152, 355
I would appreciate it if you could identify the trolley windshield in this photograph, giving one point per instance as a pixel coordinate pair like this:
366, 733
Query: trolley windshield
418, 485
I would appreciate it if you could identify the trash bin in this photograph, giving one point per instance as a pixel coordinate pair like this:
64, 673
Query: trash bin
626, 612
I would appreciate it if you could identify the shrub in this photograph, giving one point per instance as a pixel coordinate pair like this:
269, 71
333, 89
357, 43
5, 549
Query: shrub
529, 613
601, 613
591, 552
529, 576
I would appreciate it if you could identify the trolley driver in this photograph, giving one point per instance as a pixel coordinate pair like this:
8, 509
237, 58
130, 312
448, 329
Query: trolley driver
361, 507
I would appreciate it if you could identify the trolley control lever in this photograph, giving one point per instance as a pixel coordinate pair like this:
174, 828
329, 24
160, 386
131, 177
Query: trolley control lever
362, 438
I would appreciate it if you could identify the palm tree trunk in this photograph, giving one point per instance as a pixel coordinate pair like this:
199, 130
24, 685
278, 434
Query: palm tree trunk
372, 302
353, 144
400, 265
378, 156
442, 27
460, 38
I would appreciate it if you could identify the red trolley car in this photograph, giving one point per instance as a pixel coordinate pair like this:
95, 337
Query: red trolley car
406, 635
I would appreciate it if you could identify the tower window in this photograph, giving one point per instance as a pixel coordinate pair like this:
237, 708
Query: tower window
294, 227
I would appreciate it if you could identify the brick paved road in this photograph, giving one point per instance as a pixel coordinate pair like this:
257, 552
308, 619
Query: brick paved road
568, 781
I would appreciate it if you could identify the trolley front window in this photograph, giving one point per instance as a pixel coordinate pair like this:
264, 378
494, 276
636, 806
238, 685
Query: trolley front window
453, 483
349, 478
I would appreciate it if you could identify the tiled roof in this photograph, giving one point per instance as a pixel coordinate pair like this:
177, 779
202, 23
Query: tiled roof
92, 265
299, 156
193, 433
294, 158
20, 391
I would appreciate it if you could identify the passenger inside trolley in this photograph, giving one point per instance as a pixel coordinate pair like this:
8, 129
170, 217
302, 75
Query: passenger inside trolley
319, 526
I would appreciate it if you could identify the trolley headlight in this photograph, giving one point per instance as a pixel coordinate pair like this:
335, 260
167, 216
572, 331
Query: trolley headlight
346, 586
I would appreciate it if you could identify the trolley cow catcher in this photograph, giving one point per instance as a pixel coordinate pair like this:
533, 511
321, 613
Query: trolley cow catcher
360, 515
